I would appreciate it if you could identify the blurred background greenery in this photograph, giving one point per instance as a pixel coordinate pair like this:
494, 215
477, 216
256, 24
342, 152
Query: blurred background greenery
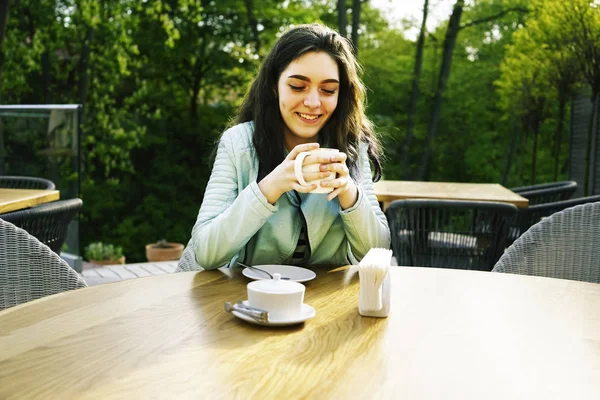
483, 96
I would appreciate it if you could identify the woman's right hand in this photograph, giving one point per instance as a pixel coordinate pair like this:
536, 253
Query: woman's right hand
283, 179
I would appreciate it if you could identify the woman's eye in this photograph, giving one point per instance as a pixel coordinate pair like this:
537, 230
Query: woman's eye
296, 88
329, 91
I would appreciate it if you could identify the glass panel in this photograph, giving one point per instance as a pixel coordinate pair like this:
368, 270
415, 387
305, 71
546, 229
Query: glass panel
44, 141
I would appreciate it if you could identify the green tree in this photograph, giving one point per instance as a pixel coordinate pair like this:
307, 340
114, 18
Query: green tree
454, 26
385, 76
544, 66
414, 93
561, 69
577, 28
524, 89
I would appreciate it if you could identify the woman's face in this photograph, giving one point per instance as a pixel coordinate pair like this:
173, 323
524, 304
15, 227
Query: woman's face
308, 95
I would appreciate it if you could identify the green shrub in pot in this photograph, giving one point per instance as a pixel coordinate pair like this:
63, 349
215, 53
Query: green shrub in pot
104, 254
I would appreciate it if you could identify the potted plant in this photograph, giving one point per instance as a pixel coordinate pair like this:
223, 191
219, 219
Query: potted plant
104, 254
164, 251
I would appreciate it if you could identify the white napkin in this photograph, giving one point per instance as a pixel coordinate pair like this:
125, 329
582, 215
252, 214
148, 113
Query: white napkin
373, 270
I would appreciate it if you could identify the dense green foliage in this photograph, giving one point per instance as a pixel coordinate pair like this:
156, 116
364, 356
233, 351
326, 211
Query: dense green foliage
160, 80
99, 251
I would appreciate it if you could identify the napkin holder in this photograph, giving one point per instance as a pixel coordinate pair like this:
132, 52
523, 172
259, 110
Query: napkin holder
375, 281
384, 293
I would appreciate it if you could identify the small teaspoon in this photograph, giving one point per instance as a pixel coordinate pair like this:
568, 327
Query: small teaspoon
262, 270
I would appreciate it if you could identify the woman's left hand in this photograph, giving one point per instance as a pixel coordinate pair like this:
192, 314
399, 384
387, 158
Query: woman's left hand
343, 185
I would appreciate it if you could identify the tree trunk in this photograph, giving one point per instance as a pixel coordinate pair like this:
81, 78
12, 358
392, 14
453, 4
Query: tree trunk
45, 62
414, 95
253, 24
536, 131
511, 154
355, 24
4, 8
194, 97
342, 22
562, 100
449, 42
84, 69
592, 129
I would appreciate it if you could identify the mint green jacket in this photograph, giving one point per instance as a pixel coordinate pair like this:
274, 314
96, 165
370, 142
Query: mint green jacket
237, 223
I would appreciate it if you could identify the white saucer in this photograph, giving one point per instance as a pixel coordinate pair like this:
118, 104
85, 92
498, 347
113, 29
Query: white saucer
297, 274
306, 313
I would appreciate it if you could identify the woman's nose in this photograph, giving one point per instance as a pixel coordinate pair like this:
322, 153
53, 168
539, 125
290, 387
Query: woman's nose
312, 99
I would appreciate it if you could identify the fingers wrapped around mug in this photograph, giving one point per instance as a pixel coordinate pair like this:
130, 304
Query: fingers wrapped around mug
324, 156
340, 183
307, 166
314, 175
308, 188
305, 147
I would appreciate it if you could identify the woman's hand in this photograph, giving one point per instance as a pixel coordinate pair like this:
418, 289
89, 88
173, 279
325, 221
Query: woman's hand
343, 185
283, 179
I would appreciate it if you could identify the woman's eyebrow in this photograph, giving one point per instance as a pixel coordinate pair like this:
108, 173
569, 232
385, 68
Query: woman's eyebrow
307, 79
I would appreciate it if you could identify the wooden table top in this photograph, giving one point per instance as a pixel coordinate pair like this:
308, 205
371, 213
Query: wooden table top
388, 191
18, 199
451, 334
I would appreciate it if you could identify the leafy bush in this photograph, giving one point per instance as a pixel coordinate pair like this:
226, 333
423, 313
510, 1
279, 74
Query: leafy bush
101, 251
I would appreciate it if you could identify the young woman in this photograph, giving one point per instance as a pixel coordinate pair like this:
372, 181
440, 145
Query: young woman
307, 95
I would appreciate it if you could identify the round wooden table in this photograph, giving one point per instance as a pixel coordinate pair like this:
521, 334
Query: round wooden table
451, 334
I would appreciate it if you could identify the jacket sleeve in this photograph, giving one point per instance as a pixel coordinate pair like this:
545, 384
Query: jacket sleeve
365, 224
227, 220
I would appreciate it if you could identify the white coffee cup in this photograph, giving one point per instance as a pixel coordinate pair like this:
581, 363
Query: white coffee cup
299, 169
282, 299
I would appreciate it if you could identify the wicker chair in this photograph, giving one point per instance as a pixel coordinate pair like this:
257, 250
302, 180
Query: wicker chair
26, 182
187, 262
47, 222
447, 233
29, 269
527, 217
565, 245
547, 192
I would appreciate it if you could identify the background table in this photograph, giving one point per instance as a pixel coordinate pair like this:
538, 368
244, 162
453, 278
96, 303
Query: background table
388, 191
17, 199
452, 334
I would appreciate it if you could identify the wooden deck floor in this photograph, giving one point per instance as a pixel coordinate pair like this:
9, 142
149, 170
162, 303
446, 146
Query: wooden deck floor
96, 275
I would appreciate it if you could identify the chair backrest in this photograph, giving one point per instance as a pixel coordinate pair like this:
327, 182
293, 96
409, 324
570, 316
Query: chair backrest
26, 182
187, 262
547, 192
565, 245
29, 269
527, 217
48, 222
449, 233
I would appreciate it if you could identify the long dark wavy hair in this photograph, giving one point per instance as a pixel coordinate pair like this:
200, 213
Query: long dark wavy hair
347, 127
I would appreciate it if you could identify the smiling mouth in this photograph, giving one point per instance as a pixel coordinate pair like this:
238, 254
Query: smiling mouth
309, 117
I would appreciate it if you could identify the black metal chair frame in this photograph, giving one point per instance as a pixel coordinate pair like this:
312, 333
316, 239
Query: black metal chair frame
547, 192
26, 182
48, 222
527, 217
449, 233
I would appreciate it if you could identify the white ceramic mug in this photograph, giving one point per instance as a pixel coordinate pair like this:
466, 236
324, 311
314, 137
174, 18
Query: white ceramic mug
299, 169
282, 299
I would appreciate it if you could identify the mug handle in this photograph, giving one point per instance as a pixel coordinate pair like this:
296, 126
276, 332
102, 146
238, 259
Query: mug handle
298, 167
